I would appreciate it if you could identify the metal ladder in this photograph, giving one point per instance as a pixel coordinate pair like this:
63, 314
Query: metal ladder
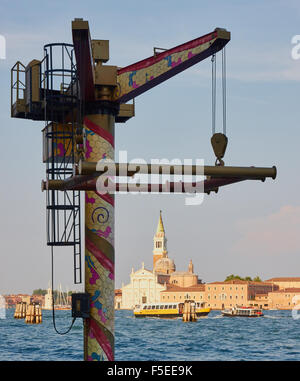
59, 88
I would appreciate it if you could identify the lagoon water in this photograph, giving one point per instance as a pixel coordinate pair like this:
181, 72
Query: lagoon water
276, 336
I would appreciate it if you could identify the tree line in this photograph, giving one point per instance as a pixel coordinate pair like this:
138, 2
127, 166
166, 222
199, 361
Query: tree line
40, 291
247, 278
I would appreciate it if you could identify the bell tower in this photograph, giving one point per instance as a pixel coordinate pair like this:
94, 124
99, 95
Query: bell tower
160, 242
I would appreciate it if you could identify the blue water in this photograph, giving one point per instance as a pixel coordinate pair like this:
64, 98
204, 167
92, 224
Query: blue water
276, 336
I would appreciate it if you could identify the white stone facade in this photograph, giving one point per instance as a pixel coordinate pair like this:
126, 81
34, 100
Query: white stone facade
143, 288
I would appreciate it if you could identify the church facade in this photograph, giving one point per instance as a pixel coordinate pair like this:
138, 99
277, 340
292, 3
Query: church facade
144, 287
148, 286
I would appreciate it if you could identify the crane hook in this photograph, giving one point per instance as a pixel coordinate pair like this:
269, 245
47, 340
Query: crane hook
219, 143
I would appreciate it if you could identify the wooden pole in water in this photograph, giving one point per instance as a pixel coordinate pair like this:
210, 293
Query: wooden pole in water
189, 311
184, 316
36, 314
23, 310
27, 318
193, 311
16, 314
39, 314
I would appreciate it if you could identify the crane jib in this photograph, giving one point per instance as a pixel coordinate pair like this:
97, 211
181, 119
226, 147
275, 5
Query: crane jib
137, 78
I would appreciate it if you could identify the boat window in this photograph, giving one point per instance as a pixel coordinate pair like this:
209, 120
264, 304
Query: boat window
161, 307
157, 307
166, 307
174, 306
153, 307
145, 307
170, 307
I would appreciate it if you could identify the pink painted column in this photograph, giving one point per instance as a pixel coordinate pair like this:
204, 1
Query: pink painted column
99, 246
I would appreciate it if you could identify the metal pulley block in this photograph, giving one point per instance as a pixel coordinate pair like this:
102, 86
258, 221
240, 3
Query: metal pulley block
219, 143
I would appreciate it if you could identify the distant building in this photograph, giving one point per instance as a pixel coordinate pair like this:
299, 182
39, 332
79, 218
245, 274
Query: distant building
12, 299
48, 300
165, 284
219, 295
164, 281
118, 299
161, 262
284, 299
261, 301
185, 278
286, 282
180, 294
144, 287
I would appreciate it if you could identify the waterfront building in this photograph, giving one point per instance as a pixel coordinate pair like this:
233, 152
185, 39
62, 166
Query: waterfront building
261, 301
164, 283
176, 294
284, 299
48, 300
285, 282
118, 299
12, 299
220, 295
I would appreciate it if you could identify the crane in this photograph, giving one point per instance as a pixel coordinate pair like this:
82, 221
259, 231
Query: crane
80, 99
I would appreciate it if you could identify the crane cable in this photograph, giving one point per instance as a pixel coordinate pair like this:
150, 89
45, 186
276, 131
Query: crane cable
213, 99
224, 88
219, 140
214, 90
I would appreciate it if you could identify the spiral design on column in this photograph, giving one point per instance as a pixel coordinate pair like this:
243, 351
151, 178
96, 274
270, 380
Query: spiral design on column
101, 214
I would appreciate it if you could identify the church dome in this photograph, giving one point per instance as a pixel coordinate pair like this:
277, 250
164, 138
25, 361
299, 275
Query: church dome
164, 265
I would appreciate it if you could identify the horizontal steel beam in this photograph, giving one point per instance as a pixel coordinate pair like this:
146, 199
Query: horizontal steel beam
119, 169
79, 183
68, 184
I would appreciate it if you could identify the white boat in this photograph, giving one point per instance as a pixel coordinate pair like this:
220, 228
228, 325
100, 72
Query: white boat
242, 311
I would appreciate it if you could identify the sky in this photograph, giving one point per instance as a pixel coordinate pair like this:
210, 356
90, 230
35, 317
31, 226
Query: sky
250, 228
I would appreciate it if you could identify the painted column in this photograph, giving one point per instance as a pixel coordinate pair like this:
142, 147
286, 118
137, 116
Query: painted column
99, 246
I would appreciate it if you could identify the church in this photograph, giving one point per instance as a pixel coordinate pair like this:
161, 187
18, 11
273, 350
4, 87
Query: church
148, 286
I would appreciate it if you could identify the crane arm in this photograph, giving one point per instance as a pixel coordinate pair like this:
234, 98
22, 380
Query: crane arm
141, 76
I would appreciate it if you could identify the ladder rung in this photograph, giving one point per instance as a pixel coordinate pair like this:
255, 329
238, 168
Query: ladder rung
60, 207
61, 243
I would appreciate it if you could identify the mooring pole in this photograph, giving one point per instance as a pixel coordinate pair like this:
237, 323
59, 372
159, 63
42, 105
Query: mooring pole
99, 246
